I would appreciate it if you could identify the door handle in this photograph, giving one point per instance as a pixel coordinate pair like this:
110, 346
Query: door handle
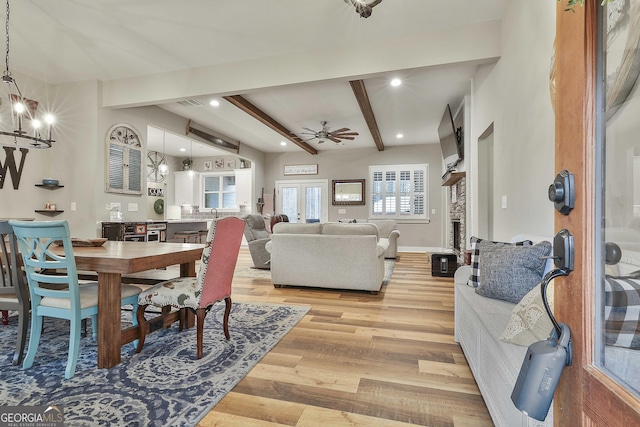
562, 192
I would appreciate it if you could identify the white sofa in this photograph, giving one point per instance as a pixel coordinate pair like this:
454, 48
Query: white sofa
330, 255
479, 322
387, 229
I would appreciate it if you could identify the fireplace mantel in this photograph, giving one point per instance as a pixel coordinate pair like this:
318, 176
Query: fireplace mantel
451, 178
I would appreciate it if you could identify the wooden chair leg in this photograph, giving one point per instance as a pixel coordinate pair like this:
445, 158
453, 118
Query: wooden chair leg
165, 310
23, 324
200, 314
143, 327
182, 318
227, 311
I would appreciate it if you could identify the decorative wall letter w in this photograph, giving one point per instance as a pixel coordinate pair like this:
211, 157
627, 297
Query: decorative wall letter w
10, 165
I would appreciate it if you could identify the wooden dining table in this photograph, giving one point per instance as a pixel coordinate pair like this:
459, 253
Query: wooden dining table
111, 261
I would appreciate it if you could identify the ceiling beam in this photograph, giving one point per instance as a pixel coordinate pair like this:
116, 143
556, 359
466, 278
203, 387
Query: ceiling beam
243, 104
365, 106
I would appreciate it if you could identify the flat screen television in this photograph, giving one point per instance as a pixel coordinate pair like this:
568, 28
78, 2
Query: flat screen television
450, 140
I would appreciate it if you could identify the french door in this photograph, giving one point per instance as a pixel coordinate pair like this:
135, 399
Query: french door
303, 200
599, 149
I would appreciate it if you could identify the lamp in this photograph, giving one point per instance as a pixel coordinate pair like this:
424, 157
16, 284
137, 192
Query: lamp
163, 168
23, 109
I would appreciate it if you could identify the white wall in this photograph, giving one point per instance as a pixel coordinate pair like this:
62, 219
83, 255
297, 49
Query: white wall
514, 95
77, 158
354, 164
72, 160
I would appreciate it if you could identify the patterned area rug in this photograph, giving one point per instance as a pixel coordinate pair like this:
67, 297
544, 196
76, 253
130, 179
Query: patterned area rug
256, 273
164, 385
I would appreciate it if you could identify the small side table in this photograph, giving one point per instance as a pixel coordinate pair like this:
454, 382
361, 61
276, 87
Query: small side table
467, 257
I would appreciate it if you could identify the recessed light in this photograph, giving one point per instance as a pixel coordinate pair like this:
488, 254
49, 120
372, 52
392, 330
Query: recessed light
396, 82
399, 136
214, 103
183, 150
283, 143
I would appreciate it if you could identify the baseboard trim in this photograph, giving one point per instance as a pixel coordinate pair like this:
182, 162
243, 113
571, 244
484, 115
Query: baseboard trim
423, 249
418, 249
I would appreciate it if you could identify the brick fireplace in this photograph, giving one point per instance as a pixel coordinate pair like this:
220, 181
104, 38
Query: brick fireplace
457, 214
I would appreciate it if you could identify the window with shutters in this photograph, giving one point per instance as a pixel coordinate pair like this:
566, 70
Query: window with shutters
124, 169
399, 191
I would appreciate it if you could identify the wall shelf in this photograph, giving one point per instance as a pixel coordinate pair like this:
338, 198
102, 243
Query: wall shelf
49, 187
51, 212
451, 178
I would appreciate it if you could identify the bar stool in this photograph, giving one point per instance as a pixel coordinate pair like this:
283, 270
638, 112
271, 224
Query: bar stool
187, 235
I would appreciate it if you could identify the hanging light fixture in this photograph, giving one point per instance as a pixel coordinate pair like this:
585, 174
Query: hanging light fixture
23, 110
163, 168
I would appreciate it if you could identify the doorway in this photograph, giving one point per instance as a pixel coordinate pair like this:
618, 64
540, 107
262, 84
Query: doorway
303, 201
485, 184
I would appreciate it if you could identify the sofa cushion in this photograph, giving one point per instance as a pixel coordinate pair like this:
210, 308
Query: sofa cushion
474, 280
510, 272
386, 226
340, 229
622, 312
297, 228
529, 320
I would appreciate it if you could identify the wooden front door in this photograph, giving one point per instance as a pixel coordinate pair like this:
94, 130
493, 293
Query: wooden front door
588, 394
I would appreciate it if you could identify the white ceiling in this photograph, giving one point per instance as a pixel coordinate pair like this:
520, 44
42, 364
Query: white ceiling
60, 41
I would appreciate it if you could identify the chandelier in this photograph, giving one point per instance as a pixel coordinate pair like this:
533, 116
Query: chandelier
23, 113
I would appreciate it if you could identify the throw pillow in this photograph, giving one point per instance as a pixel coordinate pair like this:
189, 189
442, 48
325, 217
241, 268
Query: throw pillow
622, 312
529, 320
510, 272
475, 257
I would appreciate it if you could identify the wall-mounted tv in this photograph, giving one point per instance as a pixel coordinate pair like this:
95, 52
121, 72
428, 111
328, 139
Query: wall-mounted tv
451, 142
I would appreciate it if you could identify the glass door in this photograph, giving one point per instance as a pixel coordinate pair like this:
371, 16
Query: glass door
596, 104
303, 201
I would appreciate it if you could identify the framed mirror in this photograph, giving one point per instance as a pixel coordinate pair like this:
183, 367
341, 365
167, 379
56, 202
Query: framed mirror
348, 192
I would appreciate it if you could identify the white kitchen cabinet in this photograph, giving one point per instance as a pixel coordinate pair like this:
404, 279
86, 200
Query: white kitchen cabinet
243, 188
187, 188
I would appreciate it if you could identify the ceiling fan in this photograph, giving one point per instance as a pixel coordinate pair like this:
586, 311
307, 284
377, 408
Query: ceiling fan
363, 8
335, 135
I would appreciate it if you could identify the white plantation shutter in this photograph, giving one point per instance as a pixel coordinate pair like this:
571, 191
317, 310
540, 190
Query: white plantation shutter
124, 168
399, 191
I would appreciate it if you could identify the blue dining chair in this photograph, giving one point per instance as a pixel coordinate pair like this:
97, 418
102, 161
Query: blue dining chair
58, 295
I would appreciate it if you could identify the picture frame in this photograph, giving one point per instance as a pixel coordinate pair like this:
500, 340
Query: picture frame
347, 192
208, 165
219, 163
231, 164
301, 169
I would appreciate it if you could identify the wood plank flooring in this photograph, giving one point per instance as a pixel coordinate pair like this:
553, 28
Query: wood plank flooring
358, 359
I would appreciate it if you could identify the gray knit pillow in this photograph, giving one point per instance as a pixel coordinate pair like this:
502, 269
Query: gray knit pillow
510, 272
474, 279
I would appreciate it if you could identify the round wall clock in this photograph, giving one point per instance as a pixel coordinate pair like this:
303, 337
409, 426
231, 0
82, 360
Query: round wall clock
154, 160
124, 134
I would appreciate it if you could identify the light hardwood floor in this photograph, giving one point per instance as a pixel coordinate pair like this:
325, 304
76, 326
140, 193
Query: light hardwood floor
358, 359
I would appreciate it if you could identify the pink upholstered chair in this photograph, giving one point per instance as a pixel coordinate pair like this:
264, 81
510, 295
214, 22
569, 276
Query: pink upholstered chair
199, 294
